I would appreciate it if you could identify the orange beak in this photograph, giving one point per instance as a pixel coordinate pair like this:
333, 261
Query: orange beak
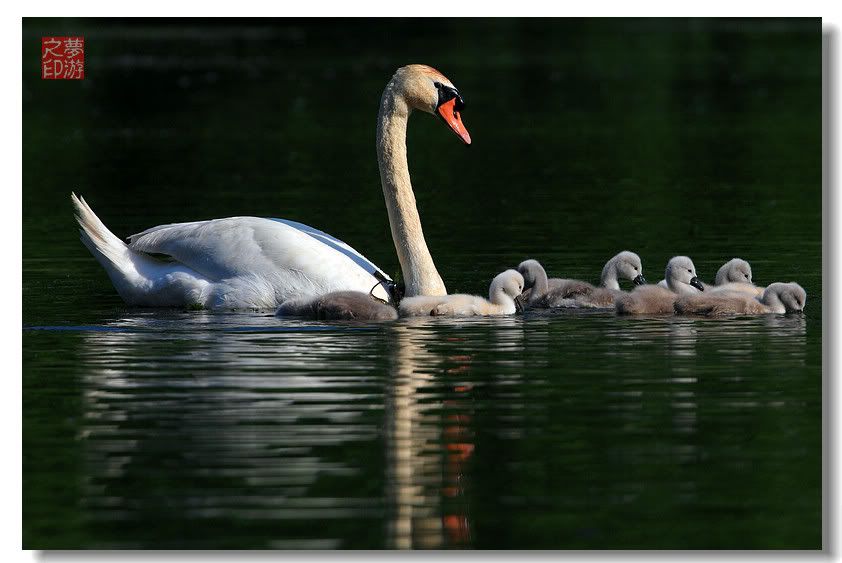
448, 112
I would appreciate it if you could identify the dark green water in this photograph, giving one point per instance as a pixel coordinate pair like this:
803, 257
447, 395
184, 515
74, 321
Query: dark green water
186, 429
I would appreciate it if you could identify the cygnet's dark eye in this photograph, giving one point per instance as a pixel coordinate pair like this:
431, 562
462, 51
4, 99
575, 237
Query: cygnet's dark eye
746, 275
691, 271
635, 268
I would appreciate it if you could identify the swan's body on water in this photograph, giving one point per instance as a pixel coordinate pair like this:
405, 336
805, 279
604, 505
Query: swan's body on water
747, 288
226, 263
252, 262
680, 279
339, 305
568, 293
778, 298
503, 299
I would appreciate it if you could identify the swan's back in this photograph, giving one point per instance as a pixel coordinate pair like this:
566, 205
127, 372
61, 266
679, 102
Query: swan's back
738, 287
561, 293
599, 298
339, 305
461, 305
646, 299
719, 304
458, 304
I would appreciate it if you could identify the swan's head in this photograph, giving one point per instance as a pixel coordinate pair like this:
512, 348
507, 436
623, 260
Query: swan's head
735, 270
629, 267
426, 89
680, 269
506, 287
531, 270
791, 295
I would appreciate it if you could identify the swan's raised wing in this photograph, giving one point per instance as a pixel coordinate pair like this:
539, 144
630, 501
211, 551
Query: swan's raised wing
297, 260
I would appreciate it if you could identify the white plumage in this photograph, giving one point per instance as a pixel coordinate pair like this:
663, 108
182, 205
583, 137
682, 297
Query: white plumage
236, 262
249, 262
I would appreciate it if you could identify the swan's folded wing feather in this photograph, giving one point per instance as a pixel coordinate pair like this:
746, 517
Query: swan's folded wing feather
336, 244
218, 249
271, 249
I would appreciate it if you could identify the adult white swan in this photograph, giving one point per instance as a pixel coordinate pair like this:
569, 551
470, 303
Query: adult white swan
251, 262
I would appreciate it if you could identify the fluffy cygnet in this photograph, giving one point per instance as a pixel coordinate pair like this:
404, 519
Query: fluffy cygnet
778, 298
503, 299
680, 277
558, 292
734, 270
339, 305
735, 275
659, 299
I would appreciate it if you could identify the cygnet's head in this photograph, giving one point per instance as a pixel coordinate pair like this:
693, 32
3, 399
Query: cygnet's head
426, 89
734, 270
505, 286
680, 269
791, 295
531, 270
630, 267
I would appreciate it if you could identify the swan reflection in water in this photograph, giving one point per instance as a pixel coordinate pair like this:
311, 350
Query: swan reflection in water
214, 418
245, 418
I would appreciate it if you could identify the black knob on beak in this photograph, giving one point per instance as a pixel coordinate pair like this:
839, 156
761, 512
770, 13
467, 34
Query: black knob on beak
639, 280
694, 281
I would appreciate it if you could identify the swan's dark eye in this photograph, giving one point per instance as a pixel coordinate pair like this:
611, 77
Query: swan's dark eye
691, 271
447, 93
746, 276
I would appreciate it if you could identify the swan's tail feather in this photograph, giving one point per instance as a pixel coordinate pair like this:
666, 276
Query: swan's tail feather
103, 244
114, 255
138, 278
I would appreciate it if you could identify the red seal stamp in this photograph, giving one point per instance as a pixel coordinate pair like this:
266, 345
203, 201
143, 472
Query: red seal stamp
62, 58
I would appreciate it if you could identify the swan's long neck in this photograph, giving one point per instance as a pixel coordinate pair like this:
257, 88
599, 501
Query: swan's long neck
771, 299
722, 275
419, 271
609, 275
541, 284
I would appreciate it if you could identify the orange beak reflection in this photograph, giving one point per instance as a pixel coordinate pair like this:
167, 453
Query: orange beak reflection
448, 112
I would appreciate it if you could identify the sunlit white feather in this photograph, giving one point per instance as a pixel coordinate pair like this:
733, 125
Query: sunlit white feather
236, 262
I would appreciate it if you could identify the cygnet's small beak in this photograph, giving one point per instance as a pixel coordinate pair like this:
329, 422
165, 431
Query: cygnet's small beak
519, 303
639, 280
453, 118
694, 281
